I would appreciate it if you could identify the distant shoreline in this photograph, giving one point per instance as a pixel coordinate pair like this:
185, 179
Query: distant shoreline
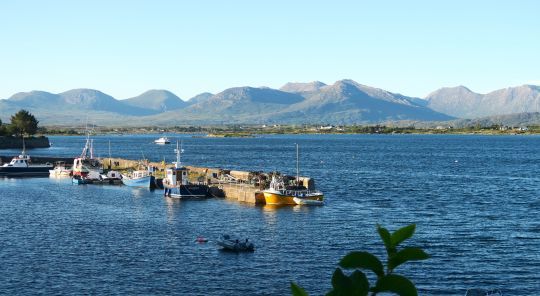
253, 131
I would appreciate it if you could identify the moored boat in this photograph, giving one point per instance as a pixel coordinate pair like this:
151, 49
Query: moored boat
60, 170
86, 165
111, 178
139, 178
280, 193
22, 166
177, 184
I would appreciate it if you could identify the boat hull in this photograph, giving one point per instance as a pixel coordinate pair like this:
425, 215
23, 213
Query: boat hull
187, 191
25, 171
83, 181
235, 245
274, 198
144, 182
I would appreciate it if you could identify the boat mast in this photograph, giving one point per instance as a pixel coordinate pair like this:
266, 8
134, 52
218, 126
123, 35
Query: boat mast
23, 146
178, 151
110, 158
297, 167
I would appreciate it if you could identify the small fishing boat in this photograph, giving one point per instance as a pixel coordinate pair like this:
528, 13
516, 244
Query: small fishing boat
111, 178
60, 170
176, 182
86, 165
139, 178
234, 244
162, 141
22, 166
279, 193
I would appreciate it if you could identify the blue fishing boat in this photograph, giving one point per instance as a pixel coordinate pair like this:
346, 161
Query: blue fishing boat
139, 178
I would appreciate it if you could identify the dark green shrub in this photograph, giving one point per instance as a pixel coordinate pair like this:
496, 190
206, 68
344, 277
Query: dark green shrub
387, 281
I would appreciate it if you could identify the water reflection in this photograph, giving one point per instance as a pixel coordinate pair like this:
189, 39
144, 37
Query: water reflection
172, 205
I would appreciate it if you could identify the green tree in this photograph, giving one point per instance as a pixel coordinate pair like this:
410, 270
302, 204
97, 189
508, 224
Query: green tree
23, 122
387, 281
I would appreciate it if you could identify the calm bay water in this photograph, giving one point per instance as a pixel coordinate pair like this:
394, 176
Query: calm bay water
475, 199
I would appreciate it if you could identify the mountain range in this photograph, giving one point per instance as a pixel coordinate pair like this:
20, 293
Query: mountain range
344, 102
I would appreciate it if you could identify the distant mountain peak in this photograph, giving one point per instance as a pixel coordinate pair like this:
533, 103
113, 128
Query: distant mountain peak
302, 87
159, 100
461, 102
34, 93
200, 98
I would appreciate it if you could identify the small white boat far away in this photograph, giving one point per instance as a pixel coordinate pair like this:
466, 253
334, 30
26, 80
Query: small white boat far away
162, 141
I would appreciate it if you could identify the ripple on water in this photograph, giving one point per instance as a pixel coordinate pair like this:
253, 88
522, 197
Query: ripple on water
476, 217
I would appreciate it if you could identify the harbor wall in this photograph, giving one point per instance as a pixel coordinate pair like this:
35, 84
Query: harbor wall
243, 188
16, 142
243, 193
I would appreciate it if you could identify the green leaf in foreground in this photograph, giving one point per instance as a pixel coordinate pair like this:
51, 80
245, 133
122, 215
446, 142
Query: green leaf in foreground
407, 254
402, 234
360, 283
297, 290
387, 239
397, 284
340, 281
362, 260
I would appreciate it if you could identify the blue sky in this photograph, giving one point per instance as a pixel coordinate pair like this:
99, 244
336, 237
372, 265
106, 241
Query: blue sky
124, 48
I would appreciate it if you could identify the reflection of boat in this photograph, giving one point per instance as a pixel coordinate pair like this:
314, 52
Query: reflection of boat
162, 141
22, 166
139, 178
176, 182
280, 194
60, 170
235, 244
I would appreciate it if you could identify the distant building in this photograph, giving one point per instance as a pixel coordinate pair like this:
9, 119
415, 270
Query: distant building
326, 128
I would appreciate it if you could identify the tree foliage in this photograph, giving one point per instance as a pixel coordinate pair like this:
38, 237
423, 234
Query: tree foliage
387, 281
23, 122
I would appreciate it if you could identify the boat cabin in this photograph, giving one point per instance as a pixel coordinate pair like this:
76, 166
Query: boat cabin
177, 176
19, 161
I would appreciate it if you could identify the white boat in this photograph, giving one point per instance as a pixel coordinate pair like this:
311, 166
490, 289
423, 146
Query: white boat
306, 201
234, 244
162, 141
60, 170
22, 166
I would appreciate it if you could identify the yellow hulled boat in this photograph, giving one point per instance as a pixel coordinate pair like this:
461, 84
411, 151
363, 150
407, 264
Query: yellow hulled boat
278, 194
